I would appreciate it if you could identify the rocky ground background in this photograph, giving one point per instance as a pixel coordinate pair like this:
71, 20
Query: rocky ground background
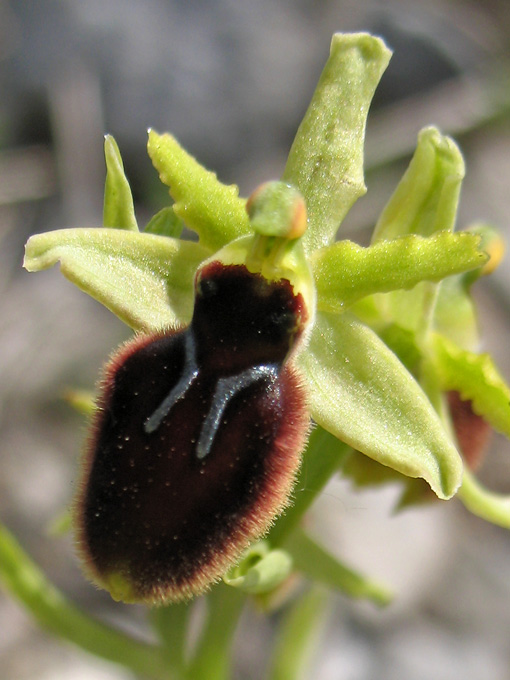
232, 80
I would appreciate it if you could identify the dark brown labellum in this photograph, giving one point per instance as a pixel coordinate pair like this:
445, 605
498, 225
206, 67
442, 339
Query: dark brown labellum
196, 441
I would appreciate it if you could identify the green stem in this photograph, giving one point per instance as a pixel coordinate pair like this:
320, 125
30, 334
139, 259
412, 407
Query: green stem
323, 457
212, 658
24, 580
490, 506
298, 636
171, 623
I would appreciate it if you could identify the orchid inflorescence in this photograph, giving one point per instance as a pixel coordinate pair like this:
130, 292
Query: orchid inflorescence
267, 342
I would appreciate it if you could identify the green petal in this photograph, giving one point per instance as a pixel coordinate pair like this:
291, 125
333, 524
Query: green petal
165, 223
361, 393
146, 280
326, 159
261, 570
427, 196
320, 566
212, 209
477, 379
118, 210
455, 314
346, 272
493, 507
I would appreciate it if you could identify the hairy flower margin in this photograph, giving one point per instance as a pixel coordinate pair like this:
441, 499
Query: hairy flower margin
395, 329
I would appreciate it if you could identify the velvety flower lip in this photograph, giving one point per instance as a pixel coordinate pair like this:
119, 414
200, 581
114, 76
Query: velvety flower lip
387, 340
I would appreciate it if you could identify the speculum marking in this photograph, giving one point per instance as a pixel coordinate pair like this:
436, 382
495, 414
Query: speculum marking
226, 390
179, 390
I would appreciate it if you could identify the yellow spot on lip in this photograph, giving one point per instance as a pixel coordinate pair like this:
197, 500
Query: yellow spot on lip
120, 588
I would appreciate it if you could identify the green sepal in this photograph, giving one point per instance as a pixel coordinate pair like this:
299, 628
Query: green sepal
146, 280
490, 506
165, 223
118, 209
212, 209
320, 566
326, 159
360, 392
261, 569
346, 272
476, 378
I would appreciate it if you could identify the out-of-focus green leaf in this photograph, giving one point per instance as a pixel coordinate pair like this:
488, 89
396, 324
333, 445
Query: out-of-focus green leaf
60, 524
261, 570
81, 400
326, 159
477, 379
53, 612
361, 393
165, 223
118, 210
146, 280
312, 560
212, 209
345, 271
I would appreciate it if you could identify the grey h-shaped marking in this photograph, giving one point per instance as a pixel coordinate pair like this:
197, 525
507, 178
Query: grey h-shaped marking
226, 389
179, 390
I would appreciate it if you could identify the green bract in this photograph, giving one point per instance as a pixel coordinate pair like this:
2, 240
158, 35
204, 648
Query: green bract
376, 374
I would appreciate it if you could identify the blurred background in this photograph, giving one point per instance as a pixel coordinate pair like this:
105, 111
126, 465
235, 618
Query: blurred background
232, 79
